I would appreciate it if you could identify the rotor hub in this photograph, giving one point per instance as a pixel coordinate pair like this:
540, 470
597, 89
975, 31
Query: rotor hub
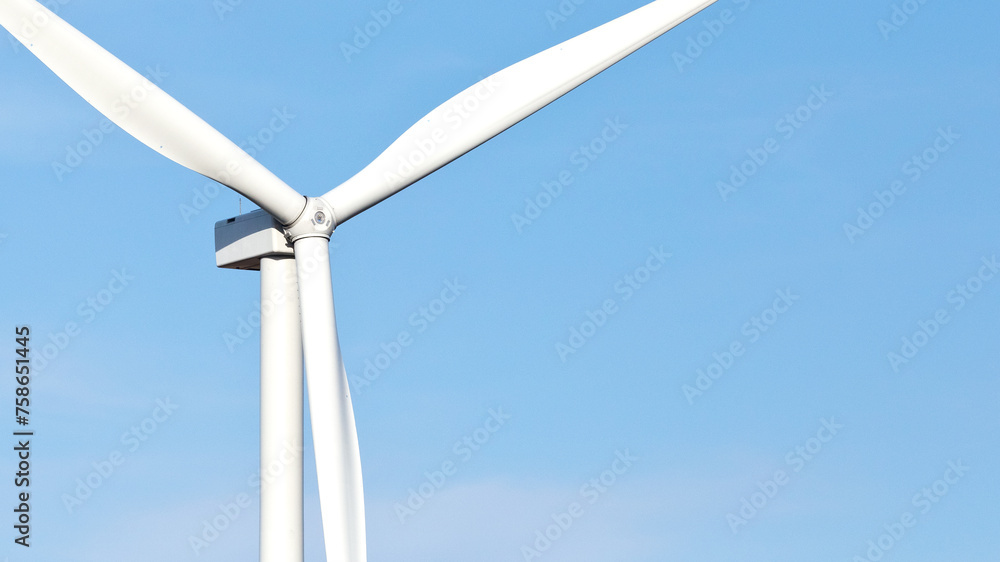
317, 220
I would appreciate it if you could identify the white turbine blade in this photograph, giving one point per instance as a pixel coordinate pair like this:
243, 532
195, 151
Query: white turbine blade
495, 104
142, 109
335, 437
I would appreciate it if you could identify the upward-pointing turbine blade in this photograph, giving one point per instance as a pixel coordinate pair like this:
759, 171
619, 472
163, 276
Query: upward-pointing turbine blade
142, 109
335, 436
495, 104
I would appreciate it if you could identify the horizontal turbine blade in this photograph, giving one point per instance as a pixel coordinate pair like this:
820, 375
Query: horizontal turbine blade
143, 110
490, 107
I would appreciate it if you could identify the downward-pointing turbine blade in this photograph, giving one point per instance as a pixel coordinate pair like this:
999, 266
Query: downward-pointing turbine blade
335, 437
142, 109
495, 104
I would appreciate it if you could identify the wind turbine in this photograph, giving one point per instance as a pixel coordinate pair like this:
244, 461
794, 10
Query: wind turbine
288, 240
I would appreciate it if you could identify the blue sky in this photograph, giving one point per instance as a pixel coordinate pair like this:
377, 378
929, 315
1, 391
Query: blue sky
837, 441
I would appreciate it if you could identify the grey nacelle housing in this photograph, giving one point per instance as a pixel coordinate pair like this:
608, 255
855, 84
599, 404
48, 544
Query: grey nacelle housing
241, 241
